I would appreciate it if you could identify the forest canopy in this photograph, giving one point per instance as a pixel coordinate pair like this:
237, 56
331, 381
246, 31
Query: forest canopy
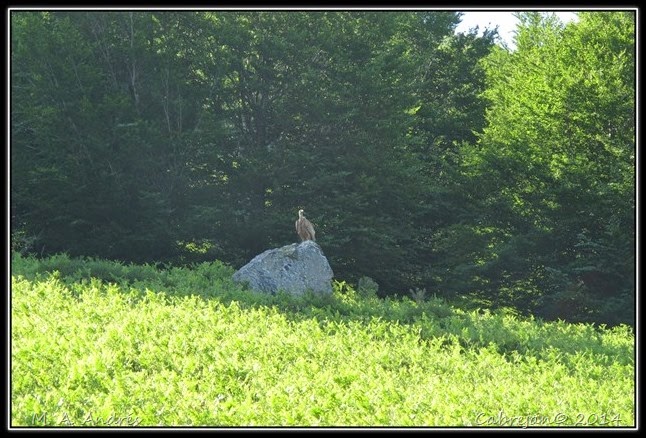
426, 159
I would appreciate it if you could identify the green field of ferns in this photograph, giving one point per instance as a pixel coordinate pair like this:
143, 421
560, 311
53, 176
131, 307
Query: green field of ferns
97, 343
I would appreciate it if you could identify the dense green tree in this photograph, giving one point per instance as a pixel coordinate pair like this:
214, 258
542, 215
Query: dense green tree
554, 170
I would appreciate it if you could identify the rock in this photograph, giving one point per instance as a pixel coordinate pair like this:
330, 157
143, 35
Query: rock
294, 268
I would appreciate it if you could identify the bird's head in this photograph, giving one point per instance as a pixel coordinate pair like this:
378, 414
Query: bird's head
300, 212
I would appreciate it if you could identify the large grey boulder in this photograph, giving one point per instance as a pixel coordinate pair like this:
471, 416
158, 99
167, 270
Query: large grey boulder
294, 268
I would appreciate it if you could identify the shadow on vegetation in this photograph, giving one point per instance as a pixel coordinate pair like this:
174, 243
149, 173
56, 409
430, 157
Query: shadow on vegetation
432, 318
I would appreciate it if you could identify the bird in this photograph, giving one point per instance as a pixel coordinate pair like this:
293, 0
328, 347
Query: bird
304, 228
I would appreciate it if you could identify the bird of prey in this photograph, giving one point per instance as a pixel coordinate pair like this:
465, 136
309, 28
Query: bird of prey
304, 228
